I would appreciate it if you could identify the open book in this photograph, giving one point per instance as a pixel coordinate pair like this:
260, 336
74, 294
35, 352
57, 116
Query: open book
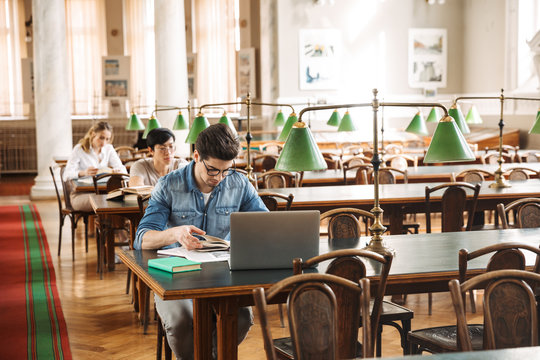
212, 243
130, 193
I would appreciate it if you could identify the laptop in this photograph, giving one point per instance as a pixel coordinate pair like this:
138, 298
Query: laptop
271, 240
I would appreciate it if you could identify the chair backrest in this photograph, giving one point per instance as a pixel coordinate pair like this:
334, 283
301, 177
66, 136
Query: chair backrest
58, 197
67, 188
387, 175
344, 225
493, 157
115, 181
279, 179
392, 149
356, 160
400, 161
360, 174
320, 307
453, 205
264, 162
142, 153
271, 201
510, 313
531, 156
520, 173
526, 210
333, 163
125, 152
271, 148
351, 265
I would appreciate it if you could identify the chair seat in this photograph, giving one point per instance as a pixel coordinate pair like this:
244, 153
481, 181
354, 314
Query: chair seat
443, 338
284, 348
392, 312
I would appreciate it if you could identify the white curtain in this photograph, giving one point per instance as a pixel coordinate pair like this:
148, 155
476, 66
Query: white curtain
10, 59
216, 56
86, 43
140, 45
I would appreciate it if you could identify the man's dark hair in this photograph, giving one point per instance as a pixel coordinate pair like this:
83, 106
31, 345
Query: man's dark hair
217, 141
159, 136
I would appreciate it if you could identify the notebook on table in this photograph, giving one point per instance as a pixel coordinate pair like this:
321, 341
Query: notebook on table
271, 240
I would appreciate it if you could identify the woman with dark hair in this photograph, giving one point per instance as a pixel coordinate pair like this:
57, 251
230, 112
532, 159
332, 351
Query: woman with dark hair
161, 146
93, 153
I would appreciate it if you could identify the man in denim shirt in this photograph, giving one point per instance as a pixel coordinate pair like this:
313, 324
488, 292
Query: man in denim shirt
197, 199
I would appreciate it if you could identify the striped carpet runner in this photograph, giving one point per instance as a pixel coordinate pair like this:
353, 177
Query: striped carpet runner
32, 324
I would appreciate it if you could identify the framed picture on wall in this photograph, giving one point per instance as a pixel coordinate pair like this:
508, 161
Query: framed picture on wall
246, 73
319, 58
427, 58
115, 73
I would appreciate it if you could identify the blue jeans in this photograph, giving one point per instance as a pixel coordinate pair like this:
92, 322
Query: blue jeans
177, 319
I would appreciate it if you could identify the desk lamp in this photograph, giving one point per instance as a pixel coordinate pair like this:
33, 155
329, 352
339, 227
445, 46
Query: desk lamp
293, 149
248, 104
499, 177
473, 117
417, 125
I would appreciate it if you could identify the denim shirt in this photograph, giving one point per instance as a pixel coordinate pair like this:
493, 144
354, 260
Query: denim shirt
176, 200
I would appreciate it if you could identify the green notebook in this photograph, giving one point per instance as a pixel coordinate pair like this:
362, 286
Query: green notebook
174, 264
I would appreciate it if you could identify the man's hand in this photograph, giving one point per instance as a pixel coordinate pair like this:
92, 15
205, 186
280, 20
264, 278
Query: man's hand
182, 234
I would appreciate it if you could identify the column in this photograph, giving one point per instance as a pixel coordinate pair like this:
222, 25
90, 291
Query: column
51, 91
171, 66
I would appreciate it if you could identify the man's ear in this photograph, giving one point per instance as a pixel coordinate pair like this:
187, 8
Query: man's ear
196, 156
150, 151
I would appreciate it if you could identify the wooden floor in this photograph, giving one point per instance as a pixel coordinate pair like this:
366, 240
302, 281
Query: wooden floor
100, 318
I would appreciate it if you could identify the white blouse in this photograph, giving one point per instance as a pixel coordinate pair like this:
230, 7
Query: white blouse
80, 160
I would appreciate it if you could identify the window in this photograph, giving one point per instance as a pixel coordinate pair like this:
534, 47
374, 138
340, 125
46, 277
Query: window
10, 66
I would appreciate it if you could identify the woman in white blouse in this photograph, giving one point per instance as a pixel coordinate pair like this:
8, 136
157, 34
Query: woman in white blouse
93, 152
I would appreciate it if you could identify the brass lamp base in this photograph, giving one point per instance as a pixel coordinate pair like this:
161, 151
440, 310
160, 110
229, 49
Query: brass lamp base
499, 183
379, 247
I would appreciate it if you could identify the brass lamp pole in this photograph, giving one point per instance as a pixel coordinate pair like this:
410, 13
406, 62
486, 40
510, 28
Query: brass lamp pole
499, 177
248, 104
377, 229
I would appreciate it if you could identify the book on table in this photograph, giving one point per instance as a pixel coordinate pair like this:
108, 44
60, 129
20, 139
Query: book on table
212, 243
174, 264
130, 193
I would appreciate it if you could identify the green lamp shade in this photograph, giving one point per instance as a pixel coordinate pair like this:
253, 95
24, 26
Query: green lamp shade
153, 123
346, 123
473, 117
280, 119
536, 127
180, 123
448, 144
456, 113
334, 119
417, 125
300, 151
291, 120
225, 119
199, 124
134, 123
432, 117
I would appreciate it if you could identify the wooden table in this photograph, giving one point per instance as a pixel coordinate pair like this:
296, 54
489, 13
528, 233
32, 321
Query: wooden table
423, 263
414, 174
398, 199
500, 354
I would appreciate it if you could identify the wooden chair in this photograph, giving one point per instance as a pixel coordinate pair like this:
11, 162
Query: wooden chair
475, 176
271, 148
526, 213
393, 149
333, 163
264, 162
253, 181
454, 204
65, 209
443, 338
493, 157
125, 152
361, 173
529, 156
508, 149
324, 314
142, 153
387, 175
344, 233
271, 201
352, 149
510, 312
114, 181
520, 173
355, 160
279, 179
400, 161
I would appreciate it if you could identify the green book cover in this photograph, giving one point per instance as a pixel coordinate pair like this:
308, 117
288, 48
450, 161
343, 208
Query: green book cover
174, 264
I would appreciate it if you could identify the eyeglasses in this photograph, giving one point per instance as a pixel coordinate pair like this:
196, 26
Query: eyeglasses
216, 172
165, 149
